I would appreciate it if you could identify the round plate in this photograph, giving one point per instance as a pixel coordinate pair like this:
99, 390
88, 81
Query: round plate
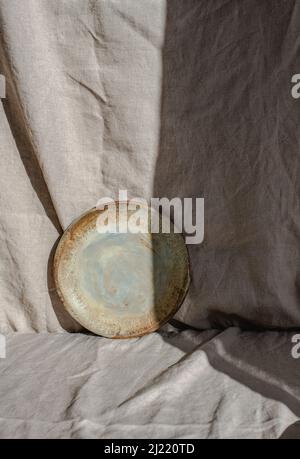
120, 285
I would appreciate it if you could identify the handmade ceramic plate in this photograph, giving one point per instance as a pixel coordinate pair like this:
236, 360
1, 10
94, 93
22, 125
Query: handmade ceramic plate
120, 285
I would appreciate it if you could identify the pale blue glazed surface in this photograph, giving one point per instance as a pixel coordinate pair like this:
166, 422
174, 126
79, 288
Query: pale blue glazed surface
117, 272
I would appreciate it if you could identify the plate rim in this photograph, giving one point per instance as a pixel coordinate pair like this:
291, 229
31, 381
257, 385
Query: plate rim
55, 268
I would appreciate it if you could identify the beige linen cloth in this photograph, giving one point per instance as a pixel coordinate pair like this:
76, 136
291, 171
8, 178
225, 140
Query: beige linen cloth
138, 95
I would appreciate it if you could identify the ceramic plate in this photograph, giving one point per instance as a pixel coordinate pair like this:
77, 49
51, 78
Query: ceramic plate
120, 285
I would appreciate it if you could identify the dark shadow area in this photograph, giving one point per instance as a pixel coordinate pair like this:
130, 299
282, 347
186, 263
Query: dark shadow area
215, 318
261, 361
228, 135
292, 432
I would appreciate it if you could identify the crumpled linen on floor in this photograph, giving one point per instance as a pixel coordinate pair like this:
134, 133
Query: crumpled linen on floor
172, 384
